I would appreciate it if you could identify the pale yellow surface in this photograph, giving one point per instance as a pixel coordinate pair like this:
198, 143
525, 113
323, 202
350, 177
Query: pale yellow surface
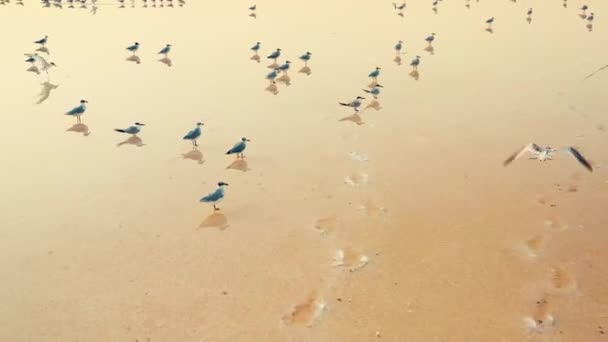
101, 242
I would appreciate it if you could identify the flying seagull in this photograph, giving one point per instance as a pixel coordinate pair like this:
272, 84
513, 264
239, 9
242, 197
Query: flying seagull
216, 196
544, 154
133, 130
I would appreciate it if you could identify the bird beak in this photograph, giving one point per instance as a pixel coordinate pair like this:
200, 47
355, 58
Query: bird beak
249, 140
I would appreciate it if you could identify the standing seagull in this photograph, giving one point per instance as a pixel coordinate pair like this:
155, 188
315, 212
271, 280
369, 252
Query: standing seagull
239, 147
44, 65
133, 48
284, 67
216, 196
253, 8
399, 7
529, 12
32, 58
194, 134
375, 91
374, 74
78, 111
490, 21
306, 57
355, 104
256, 48
544, 154
133, 130
415, 62
272, 75
42, 41
398, 47
590, 17
165, 51
430, 38
275, 55
584, 9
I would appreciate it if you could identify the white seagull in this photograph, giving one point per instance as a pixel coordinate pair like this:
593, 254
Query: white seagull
544, 154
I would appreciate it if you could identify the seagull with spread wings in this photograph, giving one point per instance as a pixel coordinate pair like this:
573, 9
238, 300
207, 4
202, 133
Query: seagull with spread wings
545, 153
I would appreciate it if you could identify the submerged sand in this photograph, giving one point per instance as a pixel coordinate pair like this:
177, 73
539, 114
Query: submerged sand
103, 238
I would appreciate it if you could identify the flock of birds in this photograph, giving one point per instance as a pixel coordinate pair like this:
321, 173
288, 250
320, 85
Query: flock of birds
41, 64
83, 4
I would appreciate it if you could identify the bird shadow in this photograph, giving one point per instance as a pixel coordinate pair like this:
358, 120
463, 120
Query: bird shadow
589, 27
285, 79
166, 61
435, 10
256, 58
272, 88
134, 58
401, 14
132, 140
239, 165
415, 75
305, 70
374, 104
273, 66
397, 60
45, 92
215, 220
43, 49
253, 15
195, 155
529, 20
34, 69
582, 16
80, 128
489, 29
430, 49
356, 118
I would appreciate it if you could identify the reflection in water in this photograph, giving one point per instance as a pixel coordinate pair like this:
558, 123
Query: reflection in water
285, 79
45, 92
272, 88
373, 85
240, 165
132, 140
414, 74
489, 29
356, 118
34, 69
430, 49
589, 27
305, 70
529, 20
134, 58
374, 104
79, 128
195, 155
397, 60
273, 66
166, 61
256, 57
43, 49
215, 220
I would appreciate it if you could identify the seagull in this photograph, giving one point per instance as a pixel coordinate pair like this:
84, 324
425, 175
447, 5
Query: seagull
32, 58
490, 21
253, 8
544, 154
133, 48
275, 55
256, 47
399, 46
78, 111
306, 57
415, 62
400, 7
284, 67
44, 65
355, 104
590, 18
194, 134
374, 74
430, 38
584, 8
272, 75
165, 51
42, 41
216, 196
133, 130
529, 12
375, 90
239, 147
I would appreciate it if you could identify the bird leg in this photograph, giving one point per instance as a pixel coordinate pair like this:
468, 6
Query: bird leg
215, 208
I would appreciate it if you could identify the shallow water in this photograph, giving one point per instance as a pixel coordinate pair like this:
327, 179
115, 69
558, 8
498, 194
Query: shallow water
103, 238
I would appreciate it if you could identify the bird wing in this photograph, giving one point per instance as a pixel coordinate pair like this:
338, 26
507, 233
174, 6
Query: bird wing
238, 147
191, 134
579, 157
212, 197
42, 61
532, 147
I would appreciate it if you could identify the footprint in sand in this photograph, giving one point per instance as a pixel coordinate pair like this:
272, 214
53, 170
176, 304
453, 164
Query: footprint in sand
357, 179
566, 188
350, 259
541, 319
561, 281
372, 209
534, 246
555, 224
305, 313
547, 201
326, 225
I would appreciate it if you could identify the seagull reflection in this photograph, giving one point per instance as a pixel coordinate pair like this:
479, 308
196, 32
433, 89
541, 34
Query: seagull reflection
272, 88
285, 79
305, 70
195, 155
414, 74
34, 69
166, 61
45, 92
43, 49
374, 104
134, 58
215, 220
239, 164
397, 60
132, 140
589, 27
430, 49
356, 118
489, 29
255, 57
80, 128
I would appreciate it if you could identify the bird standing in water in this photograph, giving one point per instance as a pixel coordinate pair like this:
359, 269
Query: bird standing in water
305, 57
133, 48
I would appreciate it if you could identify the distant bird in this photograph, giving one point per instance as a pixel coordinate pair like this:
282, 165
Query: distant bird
415, 62
544, 154
42, 41
78, 111
430, 38
44, 64
375, 91
306, 57
216, 196
399, 46
529, 12
584, 8
133, 130
355, 104
32, 58
374, 74
490, 21
194, 134
165, 51
133, 48
273, 74
239, 147
284, 67
399, 7
253, 8
275, 55
590, 17
256, 47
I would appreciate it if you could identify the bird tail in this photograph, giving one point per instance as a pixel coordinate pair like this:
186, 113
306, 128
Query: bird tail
343, 104
229, 152
120, 130
367, 91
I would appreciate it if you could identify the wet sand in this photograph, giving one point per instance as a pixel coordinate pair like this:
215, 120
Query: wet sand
103, 239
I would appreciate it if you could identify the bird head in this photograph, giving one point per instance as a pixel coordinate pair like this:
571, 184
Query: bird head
139, 124
136, 43
220, 184
199, 124
243, 139
84, 101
